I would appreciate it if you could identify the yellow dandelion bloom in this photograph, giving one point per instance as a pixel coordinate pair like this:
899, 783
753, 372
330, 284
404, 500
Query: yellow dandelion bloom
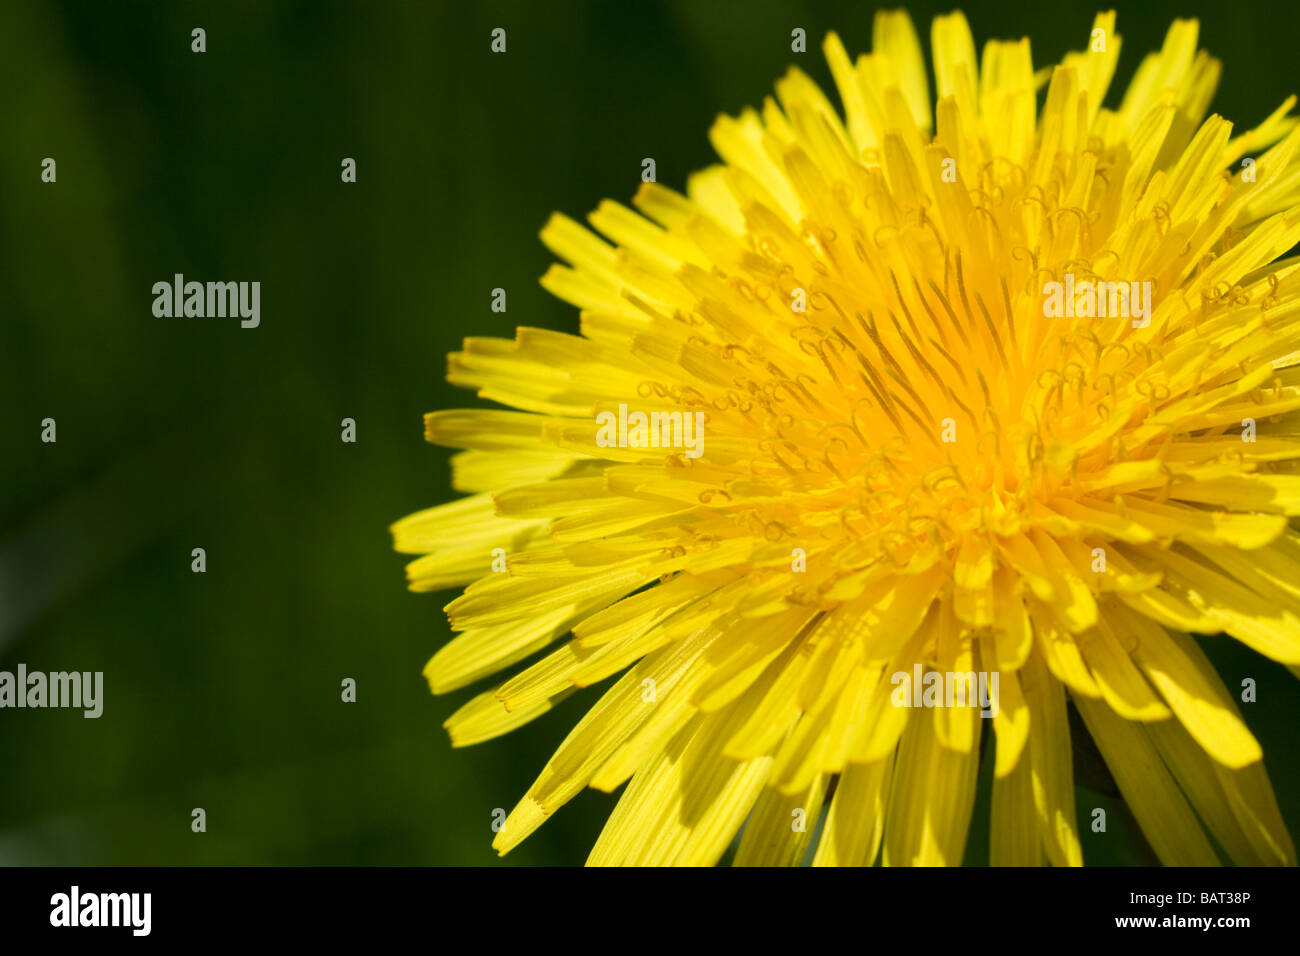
904, 392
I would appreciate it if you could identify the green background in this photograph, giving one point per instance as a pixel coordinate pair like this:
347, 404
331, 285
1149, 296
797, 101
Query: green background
223, 689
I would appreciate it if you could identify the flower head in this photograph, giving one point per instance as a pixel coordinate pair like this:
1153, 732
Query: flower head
981, 389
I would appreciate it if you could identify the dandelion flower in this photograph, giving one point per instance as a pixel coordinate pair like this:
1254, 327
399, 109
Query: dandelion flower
910, 461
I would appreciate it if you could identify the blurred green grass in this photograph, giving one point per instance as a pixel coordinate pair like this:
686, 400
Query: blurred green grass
222, 690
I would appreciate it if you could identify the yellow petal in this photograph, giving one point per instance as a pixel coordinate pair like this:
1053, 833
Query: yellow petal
780, 826
1051, 764
684, 807
1013, 828
857, 815
930, 799
1167, 820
